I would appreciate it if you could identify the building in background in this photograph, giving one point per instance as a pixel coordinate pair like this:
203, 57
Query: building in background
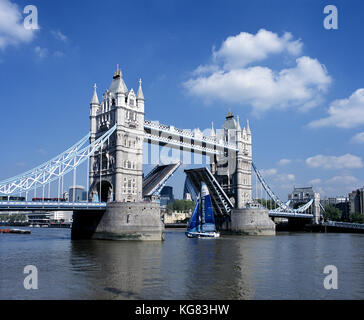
77, 194
39, 218
341, 203
189, 193
300, 196
61, 216
356, 201
166, 196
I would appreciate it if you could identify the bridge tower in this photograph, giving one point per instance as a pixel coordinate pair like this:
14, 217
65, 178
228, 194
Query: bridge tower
233, 170
116, 170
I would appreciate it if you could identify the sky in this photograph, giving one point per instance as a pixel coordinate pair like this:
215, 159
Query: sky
273, 62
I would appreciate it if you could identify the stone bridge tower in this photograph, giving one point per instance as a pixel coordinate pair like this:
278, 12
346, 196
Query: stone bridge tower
233, 170
116, 172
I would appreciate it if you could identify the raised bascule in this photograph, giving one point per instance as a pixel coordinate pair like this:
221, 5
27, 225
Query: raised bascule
122, 202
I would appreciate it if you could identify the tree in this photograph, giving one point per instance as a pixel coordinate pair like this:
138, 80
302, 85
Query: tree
181, 205
332, 213
357, 217
269, 204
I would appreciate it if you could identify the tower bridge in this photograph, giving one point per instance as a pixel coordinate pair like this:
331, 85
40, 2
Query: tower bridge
121, 200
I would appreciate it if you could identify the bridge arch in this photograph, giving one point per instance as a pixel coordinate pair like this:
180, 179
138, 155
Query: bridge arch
106, 191
103, 191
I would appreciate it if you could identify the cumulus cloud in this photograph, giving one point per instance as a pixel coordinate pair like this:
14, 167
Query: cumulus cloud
59, 54
12, 31
347, 161
41, 52
348, 180
277, 177
59, 35
284, 162
315, 181
284, 177
344, 113
358, 138
268, 172
230, 78
245, 48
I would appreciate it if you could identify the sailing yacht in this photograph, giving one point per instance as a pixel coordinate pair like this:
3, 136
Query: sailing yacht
202, 222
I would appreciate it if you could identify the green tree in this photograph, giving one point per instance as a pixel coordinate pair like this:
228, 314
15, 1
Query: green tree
269, 204
181, 205
332, 213
357, 217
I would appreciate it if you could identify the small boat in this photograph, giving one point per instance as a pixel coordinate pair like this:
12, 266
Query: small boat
16, 231
202, 222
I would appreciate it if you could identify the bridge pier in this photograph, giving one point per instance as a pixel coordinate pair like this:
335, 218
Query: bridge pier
120, 221
252, 221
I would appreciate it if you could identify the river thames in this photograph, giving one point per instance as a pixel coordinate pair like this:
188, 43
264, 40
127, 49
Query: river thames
286, 266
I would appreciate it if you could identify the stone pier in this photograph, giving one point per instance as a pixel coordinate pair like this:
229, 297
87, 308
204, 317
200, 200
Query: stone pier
252, 221
120, 221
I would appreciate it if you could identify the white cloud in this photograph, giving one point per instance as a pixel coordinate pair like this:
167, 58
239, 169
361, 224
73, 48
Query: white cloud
340, 180
42, 151
315, 181
59, 54
344, 113
12, 31
245, 48
41, 52
358, 138
59, 35
268, 172
278, 177
285, 177
284, 162
230, 80
347, 161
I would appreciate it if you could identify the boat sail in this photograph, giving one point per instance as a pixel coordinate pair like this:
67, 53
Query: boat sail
202, 222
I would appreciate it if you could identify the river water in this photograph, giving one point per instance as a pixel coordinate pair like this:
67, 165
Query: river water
286, 266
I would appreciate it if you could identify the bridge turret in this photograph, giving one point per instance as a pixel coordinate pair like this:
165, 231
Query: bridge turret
238, 127
248, 127
140, 97
213, 134
94, 106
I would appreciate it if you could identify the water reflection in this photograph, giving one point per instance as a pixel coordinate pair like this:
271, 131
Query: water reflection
287, 266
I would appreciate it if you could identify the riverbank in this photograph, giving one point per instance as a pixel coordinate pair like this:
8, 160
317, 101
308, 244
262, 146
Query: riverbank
337, 227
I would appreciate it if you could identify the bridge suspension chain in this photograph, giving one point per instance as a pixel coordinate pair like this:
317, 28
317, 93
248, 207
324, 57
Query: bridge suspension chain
281, 206
55, 168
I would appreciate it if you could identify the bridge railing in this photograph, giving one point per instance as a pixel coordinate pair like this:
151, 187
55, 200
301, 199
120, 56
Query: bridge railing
188, 134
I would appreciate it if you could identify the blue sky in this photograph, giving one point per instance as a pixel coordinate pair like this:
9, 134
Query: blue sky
270, 61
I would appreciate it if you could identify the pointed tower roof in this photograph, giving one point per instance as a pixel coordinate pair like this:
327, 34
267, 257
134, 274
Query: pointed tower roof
95, 99
230, 122
212, 130
118, 85
238, 123
140, 95
248, 127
